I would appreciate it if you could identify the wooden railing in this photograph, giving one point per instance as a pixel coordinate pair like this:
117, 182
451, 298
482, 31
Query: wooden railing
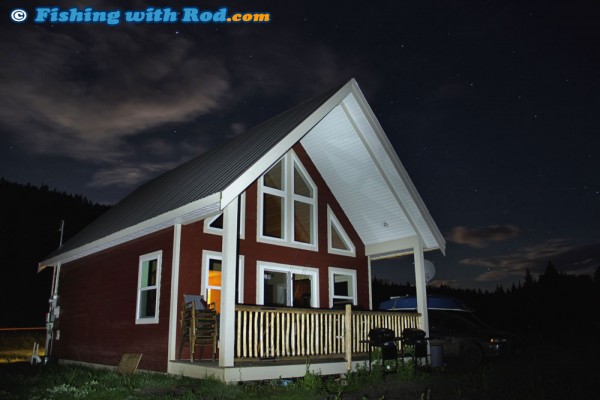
263, 332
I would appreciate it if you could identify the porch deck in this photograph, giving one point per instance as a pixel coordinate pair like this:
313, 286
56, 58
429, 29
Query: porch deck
255, 370
276, 343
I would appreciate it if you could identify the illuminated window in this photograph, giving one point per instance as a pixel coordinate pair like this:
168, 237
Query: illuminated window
342, 286
211, 278
338, 241
148, 288
287, 205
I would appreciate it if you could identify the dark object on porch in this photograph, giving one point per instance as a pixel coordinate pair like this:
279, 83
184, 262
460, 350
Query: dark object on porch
199, 325
385, 339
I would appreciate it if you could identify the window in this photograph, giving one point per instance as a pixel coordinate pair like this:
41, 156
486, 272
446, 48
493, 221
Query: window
211, 278
287, 205
342, 286
214, 224
280, 285
148, 288
338, 241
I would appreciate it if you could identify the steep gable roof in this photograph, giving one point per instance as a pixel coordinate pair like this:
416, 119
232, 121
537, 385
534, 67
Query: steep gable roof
207, 183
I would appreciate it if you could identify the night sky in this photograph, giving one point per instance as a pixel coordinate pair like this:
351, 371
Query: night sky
492, 106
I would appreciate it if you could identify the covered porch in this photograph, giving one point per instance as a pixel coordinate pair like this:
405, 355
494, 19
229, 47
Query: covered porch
272, 343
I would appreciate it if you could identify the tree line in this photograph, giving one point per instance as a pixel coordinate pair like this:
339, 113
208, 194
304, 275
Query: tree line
30, 218
556, 305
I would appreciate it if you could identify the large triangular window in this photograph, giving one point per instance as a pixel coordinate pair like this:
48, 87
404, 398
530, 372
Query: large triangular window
287, 201
338, 241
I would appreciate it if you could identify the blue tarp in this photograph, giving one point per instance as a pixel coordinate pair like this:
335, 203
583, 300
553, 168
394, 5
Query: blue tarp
409, 303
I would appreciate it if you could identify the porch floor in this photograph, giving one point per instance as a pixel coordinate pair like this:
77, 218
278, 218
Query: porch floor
256, 369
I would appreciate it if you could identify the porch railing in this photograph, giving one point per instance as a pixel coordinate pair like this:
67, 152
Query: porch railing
263, 332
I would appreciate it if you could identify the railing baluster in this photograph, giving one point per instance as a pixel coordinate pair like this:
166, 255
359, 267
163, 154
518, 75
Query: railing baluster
285, 332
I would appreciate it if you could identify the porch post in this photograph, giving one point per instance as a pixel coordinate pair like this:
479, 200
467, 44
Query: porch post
173, 317
348, 337
370, 284
228, 275
420, 284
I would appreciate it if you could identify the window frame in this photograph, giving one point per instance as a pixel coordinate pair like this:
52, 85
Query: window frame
333, 220
290, 163
263, 266
332, 272
157, 255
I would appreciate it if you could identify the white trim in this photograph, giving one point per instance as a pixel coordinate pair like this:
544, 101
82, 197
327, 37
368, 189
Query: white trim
173, 317
391, 248
218, 231
421, 285
187, 214
346, 272
262, 266
208, 255
332, 219
157, 255
290, 162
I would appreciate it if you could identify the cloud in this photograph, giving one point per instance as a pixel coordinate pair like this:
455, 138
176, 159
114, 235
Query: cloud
102, 96
566, 255
128, 175
480, 237
82, 96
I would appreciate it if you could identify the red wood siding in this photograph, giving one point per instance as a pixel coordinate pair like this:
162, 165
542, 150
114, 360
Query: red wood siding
98, 294
97, 299
194, 240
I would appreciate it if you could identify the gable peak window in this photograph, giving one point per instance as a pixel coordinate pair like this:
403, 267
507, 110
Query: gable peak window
338, 241
287, 204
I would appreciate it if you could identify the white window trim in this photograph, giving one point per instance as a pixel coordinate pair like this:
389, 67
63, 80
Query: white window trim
263, 266
157, 255
217, 231
342, 271
332, 219
289, 161
208, 255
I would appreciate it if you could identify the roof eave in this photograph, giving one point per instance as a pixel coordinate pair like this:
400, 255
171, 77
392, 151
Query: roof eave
189, 213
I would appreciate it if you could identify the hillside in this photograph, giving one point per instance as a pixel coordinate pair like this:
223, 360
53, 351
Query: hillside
30, 219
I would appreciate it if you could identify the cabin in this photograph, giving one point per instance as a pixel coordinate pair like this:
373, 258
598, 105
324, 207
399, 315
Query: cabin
276, 229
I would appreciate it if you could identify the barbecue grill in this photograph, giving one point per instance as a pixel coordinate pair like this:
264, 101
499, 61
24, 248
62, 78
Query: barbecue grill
413, 342
385, 339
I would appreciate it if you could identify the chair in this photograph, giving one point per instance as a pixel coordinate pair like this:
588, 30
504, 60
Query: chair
198, 325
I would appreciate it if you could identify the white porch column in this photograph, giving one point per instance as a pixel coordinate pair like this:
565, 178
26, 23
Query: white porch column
229, 264
173, 316
420, 284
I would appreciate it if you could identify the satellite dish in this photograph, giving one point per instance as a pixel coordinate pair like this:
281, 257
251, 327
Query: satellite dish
429, 271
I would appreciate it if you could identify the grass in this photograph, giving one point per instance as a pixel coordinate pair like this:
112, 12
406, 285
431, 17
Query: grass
18, 345
545, 372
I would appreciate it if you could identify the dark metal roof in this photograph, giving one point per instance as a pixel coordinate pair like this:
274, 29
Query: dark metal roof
198, 178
